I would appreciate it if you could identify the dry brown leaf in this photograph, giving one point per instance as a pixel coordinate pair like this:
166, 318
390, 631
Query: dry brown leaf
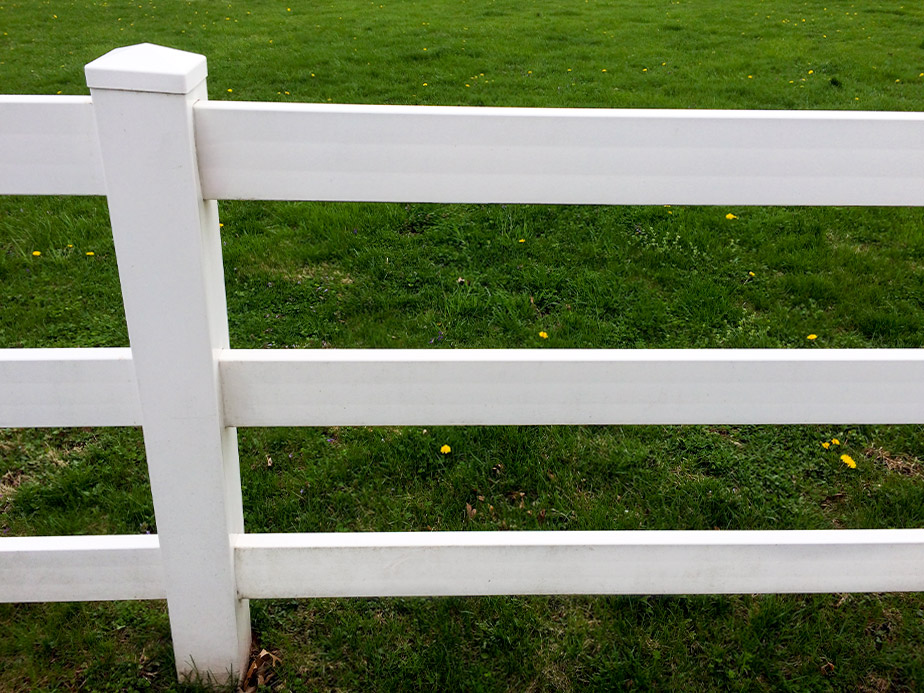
260, 672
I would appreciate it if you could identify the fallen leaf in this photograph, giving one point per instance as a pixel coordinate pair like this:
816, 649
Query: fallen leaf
260, 672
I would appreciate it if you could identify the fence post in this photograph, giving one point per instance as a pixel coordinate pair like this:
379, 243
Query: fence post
169, 253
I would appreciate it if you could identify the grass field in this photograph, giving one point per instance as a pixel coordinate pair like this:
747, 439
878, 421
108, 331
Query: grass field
428, 276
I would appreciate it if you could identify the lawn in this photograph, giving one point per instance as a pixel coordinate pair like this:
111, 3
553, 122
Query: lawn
312, 275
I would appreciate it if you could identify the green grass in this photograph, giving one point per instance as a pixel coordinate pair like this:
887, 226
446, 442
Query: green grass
433, 276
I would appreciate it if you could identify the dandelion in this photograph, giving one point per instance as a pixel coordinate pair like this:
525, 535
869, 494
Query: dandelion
730, 216
522, 240
425, 84
751, 274
826, 445
230, 90
848, 460
811, 72
835, 441
544, 335
445, 449
812, 337
70, 245
91, 254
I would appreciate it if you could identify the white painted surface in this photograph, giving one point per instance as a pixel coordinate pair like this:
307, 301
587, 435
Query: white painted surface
68, 387
567, 156
147, 67
85, 568
48, 146
169, 252
656, 562
392, 387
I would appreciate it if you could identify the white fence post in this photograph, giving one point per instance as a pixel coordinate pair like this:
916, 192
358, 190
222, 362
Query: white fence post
169, 253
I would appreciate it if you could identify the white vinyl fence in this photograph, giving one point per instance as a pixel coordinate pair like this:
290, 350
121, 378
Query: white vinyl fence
149, 140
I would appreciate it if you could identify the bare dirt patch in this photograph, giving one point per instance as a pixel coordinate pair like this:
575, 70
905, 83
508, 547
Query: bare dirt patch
900, 464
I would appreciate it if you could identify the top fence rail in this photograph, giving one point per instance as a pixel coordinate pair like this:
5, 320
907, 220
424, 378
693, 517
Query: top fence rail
496, 155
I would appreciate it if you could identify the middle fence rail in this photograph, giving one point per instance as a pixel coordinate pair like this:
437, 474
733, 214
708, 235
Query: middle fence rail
149, 140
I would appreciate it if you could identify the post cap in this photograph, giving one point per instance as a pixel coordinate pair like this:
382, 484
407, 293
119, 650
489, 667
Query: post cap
147, 67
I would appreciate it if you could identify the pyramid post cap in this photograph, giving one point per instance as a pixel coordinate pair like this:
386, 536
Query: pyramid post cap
147, 67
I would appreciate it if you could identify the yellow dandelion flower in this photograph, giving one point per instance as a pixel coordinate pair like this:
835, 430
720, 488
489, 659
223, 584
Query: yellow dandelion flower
544, 335
522, 240
811, 72
812, 337
751, 274
230, 90
91, 254
826, 445
445, 449
425, 84
36, 253
835, 441
730, 216
848, 460
70, 245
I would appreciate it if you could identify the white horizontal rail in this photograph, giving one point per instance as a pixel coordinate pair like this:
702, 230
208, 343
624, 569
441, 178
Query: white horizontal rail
96, 387
84, 568
567, 156
48, 146
634, 562
392, 387
68, 387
